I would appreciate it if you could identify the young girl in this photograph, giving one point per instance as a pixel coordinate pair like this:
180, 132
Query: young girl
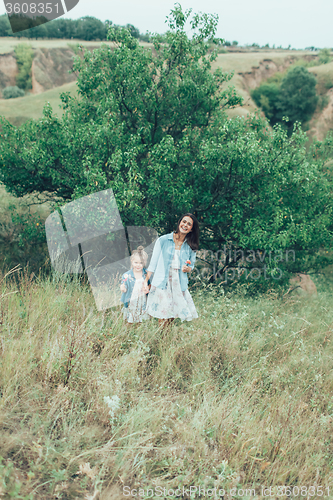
133, 295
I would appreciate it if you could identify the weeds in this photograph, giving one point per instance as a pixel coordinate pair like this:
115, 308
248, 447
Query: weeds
240, 397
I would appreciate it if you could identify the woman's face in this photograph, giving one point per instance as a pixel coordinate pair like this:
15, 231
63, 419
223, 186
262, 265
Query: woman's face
186, 225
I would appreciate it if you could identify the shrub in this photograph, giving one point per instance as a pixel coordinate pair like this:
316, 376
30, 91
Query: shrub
12, 92
324, 83
266, 96
325, 56
24, 56
298, 98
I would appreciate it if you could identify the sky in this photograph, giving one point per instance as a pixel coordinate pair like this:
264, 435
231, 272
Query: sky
299, 23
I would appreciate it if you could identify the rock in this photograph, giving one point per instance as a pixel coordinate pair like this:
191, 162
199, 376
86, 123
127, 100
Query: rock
303, 285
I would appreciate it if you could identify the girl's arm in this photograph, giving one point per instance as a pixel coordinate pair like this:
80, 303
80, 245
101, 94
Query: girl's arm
123, 287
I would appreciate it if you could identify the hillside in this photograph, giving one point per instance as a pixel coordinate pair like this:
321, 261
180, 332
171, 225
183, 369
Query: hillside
322, 121
52, 66
53, 62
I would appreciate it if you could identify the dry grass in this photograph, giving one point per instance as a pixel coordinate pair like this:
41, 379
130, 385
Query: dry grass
8, 44
241, 397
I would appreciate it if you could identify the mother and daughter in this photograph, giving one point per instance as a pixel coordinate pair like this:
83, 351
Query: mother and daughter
168, 296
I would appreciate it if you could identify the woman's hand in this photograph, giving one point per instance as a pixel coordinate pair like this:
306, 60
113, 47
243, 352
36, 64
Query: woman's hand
123, 288
186, 269
145, 288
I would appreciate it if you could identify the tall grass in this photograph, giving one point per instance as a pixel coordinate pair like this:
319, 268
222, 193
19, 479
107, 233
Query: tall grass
241, 397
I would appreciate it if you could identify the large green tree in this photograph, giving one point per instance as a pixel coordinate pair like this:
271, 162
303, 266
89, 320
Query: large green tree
298, 99
151, 125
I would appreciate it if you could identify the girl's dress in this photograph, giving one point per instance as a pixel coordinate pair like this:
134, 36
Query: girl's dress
135, 312
171, 302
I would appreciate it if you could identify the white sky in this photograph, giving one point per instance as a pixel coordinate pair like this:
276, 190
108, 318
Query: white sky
300, 23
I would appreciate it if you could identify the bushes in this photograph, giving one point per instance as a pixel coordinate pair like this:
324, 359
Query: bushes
294, 97
24, 56
12, 92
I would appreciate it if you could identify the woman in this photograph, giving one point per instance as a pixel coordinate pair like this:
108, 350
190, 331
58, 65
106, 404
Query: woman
173, 257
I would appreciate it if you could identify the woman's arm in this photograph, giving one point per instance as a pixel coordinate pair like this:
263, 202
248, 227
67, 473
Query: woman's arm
149, 273
154, 259
187, 268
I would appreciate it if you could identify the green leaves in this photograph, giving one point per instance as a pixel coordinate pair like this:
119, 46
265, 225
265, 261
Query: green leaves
150, 124
295, 98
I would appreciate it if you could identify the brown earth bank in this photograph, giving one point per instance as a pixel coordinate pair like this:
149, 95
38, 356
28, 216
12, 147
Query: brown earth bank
52, 68
266, 69
8, 70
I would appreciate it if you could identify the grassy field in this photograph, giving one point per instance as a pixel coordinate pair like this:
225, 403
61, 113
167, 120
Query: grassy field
8, 44
31, 106
239, 398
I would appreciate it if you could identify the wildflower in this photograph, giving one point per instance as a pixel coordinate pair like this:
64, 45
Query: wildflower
114, 404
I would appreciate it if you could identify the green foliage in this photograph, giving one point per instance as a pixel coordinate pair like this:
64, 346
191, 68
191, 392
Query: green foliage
292, 95
5, 29
12, 92
90, 28
24, 56
325, 56
153, 128
85, 28
298, 99
267, 97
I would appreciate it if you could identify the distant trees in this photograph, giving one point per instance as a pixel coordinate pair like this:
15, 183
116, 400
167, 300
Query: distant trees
90, 28
294, 97
24, 56
298, 99
325, 56
86, 28
5, 29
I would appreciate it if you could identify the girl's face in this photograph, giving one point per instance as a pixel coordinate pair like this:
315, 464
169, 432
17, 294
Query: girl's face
186, 225
137, 263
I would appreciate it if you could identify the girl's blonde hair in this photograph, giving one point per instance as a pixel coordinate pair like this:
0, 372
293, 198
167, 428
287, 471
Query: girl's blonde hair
140, 252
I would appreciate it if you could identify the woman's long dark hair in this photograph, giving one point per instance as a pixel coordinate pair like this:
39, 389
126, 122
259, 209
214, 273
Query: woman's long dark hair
192, 238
